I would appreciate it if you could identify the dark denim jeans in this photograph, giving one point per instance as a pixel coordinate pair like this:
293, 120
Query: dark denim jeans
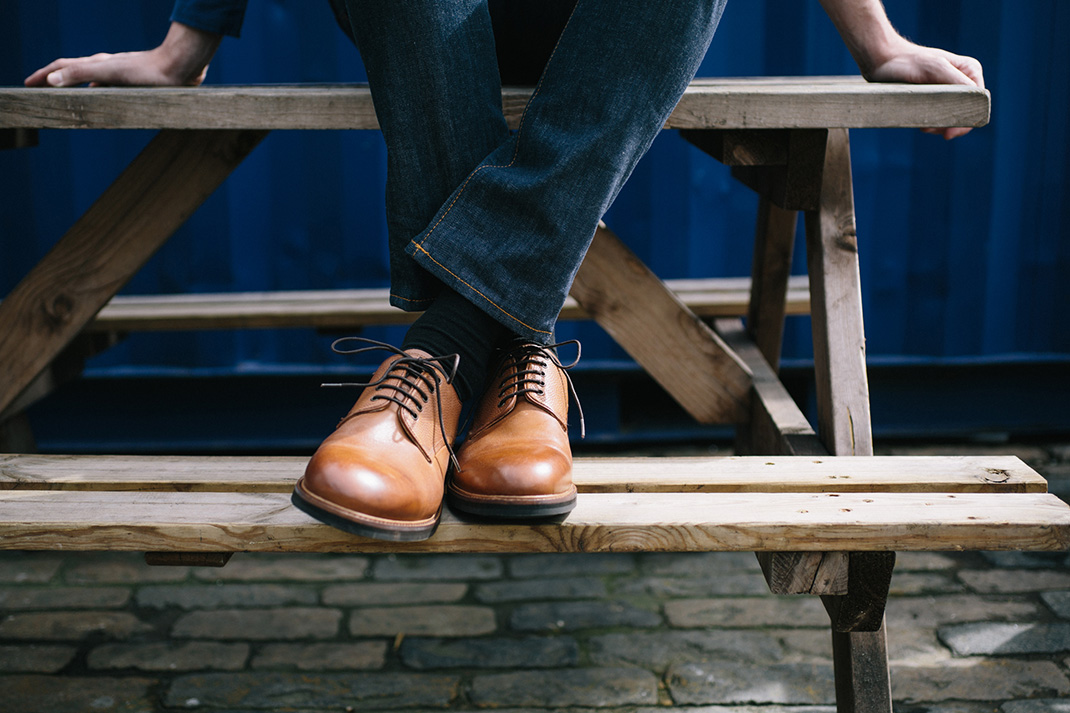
505, 218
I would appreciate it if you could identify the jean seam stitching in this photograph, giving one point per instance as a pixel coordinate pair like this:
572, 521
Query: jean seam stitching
408, 299
471, 287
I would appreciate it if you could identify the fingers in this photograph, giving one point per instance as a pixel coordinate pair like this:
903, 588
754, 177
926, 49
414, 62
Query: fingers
948, 133
971, 68
928, 65
94, 70
40, 77
60, 73
966, 71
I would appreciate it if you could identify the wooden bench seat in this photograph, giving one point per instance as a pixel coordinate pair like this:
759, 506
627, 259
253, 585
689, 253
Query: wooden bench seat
349, 309
235, 504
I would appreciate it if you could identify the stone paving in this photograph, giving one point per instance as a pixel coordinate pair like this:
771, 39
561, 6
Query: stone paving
968, 632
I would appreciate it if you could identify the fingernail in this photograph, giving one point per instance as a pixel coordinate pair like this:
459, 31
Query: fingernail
56, 78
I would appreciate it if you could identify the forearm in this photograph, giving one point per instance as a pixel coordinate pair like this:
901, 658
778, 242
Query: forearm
186, 52
866, 30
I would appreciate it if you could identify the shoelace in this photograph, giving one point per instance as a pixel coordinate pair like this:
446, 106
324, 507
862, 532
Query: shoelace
409, 382
529, 373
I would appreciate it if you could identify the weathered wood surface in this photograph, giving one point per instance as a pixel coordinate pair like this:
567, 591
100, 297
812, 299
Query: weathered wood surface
674, 346
776, 425
782, 165
805, 572
601, 522
744, 103
836, 306
861, 608
154, 195
774, 242
863, 683
948, 474
339, 309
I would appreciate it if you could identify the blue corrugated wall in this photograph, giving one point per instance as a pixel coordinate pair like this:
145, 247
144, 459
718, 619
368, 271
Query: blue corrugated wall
965, 245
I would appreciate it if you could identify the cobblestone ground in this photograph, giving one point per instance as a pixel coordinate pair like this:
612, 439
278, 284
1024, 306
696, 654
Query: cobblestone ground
968, 632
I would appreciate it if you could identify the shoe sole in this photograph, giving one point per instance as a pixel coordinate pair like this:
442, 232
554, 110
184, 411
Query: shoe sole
357, 523
510, 507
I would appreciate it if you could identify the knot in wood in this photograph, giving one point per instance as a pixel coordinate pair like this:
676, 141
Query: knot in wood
996, 475
58, 311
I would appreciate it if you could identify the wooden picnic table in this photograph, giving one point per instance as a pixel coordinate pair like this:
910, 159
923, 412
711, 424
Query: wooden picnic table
824, 514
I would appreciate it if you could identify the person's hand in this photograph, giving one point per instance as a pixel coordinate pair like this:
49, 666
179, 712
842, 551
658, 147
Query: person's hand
181, 60
927, 65
883, 55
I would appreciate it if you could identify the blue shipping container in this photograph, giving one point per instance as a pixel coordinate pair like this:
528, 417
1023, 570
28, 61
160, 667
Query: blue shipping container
965, 245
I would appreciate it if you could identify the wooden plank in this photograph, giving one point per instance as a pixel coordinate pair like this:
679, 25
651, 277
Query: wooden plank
342, 309
825, 102
863, 683
615, 522
861, 608
160, 189
776, 425
936, 474
805, 572
774, 243
795, 102
836, 305
796, 185
742, 147
674, 346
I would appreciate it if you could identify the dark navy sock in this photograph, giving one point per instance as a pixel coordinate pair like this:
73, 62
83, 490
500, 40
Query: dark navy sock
453, 325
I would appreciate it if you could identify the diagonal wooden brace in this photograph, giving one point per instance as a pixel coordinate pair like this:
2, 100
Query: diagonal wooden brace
156, 193
675, 347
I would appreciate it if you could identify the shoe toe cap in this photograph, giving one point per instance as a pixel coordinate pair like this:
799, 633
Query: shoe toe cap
537, 470
358, 483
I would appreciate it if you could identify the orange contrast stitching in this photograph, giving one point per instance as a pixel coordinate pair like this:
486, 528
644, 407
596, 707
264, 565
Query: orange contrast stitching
489, 300
406, 299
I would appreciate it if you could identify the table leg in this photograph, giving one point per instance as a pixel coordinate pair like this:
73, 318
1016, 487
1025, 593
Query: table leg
861, 663
836, 308
774, 242
160, 189
863, 683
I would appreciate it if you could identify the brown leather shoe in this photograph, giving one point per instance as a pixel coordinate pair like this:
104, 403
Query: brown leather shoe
516, 461
381, 473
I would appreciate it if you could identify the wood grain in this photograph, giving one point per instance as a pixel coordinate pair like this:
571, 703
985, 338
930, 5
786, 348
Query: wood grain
836, 306
160, 189
746, 103
674, 346
948, 474
776, 425
863, 681
774, 243
615, 522
350, 309
805, 572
